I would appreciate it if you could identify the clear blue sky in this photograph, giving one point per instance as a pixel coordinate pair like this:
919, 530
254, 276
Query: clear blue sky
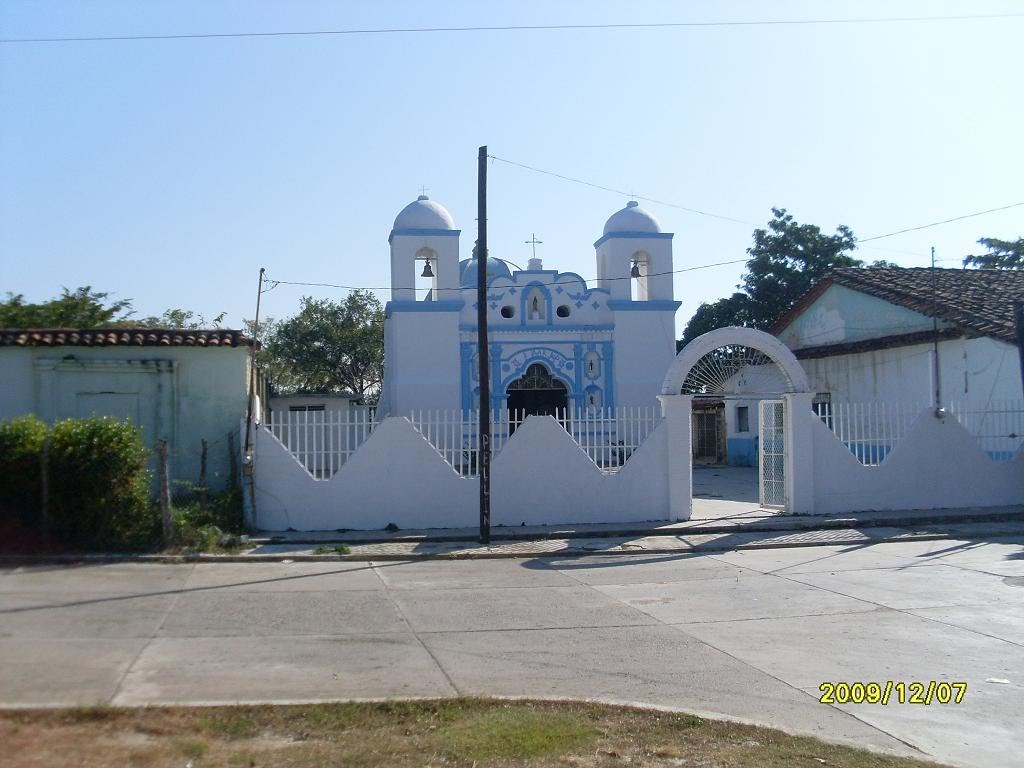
169, 171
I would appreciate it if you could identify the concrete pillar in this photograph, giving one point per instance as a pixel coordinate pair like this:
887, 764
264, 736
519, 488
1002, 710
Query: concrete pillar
678, 412
799, 463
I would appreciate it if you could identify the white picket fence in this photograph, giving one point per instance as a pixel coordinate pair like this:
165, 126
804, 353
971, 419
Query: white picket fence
870, 430
999, 428
323, 441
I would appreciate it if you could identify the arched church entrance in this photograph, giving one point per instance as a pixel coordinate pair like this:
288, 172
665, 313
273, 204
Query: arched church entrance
537, 393
737, 378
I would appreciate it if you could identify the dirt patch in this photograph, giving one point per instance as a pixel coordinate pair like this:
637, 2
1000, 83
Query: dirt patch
453, 732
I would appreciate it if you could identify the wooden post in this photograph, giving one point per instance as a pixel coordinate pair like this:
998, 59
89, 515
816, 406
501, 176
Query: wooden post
165, 492
202, 473
485, 368
1018, 318
44, 490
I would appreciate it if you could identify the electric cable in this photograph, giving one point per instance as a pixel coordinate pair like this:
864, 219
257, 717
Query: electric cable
515, 28
464, 287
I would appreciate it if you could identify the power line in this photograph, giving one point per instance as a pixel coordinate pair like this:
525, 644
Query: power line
730, 218
620, 192
514, 28
274, 283
937, 223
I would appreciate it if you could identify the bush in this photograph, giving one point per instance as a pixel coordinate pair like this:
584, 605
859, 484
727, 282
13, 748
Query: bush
204, 521
99, 485
21, 447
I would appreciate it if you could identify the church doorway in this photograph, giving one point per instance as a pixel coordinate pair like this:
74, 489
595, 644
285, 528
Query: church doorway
537, 393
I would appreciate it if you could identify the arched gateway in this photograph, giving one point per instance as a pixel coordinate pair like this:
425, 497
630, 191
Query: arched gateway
740, 347
712, 364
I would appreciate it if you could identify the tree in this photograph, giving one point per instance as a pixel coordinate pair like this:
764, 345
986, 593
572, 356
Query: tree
1002, 254
86, 308
786, 259
734, 310
180, 318
329, 346
82, 308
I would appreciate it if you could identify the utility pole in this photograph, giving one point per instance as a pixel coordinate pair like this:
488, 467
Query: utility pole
481, 340
247, 466
939, 412
1018, 319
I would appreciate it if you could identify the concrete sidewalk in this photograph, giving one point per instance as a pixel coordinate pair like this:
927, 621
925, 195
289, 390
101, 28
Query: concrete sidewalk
745, 634
756, 529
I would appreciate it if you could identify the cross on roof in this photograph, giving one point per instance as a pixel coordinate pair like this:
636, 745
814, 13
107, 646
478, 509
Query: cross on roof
533, 241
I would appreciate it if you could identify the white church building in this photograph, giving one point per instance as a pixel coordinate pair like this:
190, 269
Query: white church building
555, 343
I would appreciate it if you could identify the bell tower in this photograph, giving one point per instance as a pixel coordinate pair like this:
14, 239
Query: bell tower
421, 333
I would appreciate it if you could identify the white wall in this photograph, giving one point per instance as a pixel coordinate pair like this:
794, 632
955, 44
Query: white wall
841, 315
937, 465
181, 394
974, 371
541, 476
644, 349
422, 357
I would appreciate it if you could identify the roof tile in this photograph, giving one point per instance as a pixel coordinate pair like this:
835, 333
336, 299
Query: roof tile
142, 337
979, 300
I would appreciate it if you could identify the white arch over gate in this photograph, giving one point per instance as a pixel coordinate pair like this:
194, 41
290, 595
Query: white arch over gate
733, 335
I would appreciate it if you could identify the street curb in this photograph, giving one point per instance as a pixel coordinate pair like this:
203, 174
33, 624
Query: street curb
470, 554
794, 523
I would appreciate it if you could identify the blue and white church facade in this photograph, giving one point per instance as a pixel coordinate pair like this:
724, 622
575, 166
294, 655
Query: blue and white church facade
555, 342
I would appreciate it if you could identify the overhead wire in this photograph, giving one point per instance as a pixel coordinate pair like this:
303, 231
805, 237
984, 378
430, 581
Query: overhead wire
944, 221
512, 28
620, 192
274, 283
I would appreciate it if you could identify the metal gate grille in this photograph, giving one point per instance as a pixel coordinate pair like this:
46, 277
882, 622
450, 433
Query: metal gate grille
773, 455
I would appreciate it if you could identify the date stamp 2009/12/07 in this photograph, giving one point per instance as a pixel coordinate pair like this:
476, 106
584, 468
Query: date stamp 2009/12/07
892, 692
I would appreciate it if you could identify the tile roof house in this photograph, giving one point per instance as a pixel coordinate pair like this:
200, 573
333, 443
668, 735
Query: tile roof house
184, 386
974, 302
869, 334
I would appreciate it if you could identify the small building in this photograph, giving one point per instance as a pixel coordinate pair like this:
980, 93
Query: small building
871, 335
183, 386
335, 403
868, 338
556, 343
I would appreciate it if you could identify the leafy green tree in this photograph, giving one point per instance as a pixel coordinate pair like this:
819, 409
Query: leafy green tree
81, 308
86, 308
180, 318
786, 259
329, 346
734, 310
1002, 254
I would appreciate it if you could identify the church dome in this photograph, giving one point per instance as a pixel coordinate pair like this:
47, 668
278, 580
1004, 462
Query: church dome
495, 268
632, 218
424, 213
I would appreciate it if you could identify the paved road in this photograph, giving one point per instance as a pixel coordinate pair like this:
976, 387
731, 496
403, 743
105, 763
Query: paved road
745, 634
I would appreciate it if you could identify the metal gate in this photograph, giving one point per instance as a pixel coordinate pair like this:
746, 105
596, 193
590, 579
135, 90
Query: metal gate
772, 475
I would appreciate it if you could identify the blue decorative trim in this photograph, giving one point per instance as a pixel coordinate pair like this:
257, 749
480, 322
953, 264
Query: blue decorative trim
422, 306
548, 308
424, 233
577, 355
467, 350
634, 236
561, 367
495, 328
609, 374
661, 305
